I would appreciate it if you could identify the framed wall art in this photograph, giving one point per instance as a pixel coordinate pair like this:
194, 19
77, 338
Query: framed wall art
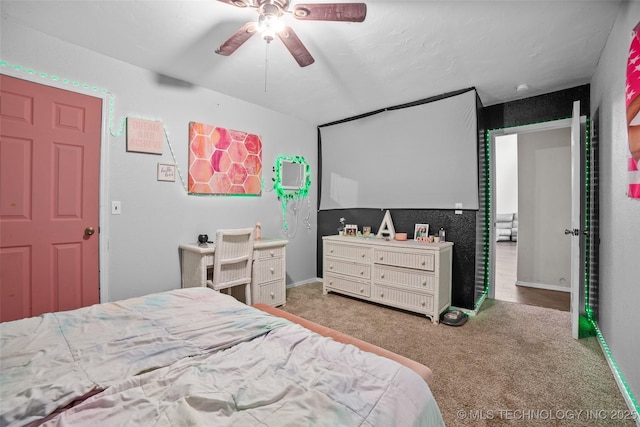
144, 136
224, 161
166, 172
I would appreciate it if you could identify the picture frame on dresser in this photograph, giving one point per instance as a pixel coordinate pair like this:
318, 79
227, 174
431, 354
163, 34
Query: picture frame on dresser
420, 230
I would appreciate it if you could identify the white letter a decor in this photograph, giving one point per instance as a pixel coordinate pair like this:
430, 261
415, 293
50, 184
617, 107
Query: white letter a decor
386, 227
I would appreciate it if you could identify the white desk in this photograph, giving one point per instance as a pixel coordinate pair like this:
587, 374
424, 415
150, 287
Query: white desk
268, 274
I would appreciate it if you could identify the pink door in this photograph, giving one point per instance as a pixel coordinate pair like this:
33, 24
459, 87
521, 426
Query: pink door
49, 199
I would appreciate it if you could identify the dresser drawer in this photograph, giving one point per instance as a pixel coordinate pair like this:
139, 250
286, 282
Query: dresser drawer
342, 284
350, 268
267, 270
410, 300
421, 260
267, 253
417, 279
273, 293
352, 252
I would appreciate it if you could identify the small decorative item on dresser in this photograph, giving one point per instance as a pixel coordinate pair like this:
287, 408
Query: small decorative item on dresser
203, 239
366, 231
420, 230
351, 230
258, 233
401, 236
441, 234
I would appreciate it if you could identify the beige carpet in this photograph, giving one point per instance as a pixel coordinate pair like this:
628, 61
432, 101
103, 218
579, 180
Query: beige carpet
511, 364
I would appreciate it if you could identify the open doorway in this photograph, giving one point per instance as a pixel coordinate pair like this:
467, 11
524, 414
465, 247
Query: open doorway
531, 206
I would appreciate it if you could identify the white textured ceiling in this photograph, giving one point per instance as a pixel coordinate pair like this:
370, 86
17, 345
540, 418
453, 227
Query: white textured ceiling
402, 52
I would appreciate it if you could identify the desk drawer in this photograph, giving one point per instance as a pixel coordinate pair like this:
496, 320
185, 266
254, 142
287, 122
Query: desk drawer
267, 270
273, 294
268, 253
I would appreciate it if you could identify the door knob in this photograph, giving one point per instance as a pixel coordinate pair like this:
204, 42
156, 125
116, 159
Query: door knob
574, 232
89, 231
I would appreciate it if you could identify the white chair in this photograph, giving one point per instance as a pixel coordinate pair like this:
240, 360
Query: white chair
232, 260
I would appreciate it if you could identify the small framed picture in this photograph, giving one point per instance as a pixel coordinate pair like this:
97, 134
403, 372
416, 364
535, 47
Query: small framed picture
351, 230
166, 172
421, 231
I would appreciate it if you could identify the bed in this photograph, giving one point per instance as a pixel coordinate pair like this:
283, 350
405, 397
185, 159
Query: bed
198, 357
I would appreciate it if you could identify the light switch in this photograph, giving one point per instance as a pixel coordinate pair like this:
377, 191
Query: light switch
116, 207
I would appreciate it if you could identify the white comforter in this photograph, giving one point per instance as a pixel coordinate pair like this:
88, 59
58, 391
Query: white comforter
219, 363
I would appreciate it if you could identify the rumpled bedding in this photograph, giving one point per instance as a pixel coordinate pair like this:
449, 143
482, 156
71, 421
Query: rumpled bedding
48, 361
197, 357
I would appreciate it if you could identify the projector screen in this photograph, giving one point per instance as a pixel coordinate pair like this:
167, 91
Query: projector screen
419, 157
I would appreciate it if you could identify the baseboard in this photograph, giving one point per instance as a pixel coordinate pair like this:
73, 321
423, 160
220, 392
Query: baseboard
543, 286
305, 282
627, 395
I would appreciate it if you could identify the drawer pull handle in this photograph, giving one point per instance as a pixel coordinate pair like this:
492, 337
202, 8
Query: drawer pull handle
361, 290
381, 258
272, 295
424, 263
271, 270
363, 254
381, 294
424, 283
362, 273
330, 282
424, 303
271, 253
330, 251
331, 267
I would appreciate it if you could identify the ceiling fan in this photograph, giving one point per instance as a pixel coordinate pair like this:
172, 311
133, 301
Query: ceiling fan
269, 24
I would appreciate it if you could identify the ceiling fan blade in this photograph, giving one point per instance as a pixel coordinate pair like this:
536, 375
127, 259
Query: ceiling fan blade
351, 12
237, 39
295, 46
239, 3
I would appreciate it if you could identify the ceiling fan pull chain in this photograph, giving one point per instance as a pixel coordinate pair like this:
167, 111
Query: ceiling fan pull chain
266, 66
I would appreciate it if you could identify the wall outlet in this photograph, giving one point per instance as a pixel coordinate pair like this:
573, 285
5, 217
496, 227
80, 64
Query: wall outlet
458, 209
116, 207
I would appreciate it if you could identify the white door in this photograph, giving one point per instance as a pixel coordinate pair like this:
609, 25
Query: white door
574, 231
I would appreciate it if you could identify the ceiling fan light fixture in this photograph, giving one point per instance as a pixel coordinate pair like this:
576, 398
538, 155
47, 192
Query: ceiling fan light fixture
269, 25
240, 3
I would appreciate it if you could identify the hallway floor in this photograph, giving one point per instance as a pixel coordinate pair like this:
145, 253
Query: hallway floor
506, 289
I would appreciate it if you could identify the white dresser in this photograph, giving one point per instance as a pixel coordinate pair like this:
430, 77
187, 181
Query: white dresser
268, 274
414, 276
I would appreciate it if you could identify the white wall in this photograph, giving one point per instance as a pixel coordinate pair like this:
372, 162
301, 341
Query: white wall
544, 208
157, 216
619, 315
506, 148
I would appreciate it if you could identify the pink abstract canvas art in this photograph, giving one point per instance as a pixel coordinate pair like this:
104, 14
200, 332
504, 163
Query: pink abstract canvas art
224, 161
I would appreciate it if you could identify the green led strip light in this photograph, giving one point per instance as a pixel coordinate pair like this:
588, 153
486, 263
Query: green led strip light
587, 300
112, 102
76, 84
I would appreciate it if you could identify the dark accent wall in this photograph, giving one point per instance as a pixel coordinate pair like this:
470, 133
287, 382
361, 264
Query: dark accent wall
466, 231
551, 106
460, 229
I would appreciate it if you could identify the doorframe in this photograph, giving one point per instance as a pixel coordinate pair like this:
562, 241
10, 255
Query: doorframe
103, 211
537, 127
